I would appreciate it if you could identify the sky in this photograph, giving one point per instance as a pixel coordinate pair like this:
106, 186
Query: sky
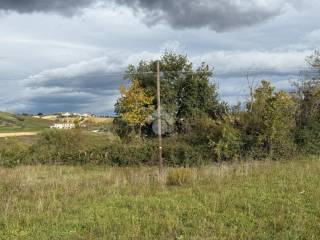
68, 55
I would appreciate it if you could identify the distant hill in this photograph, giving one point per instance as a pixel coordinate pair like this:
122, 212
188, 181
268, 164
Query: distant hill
14, 123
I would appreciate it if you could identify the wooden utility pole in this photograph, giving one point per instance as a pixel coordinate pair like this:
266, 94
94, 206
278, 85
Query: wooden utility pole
159, 118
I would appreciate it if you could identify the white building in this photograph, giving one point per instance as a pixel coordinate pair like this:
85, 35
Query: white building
63, 126
66, 114
86, 115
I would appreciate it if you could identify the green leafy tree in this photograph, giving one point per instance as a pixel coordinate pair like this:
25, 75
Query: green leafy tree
269, 122
184, 92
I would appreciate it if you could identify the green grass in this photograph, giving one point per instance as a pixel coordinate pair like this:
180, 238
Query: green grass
15, 123
258, 200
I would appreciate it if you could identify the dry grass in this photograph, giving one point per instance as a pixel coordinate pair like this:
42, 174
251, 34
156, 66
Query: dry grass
98, 120
48, 117
17, 134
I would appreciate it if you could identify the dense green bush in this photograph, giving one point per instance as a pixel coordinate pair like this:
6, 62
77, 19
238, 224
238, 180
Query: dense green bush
308, 138
12, 153
130, 154
184, 154
56, 146
72, 148
225, 143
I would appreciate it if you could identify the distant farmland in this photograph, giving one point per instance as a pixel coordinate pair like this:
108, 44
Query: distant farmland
17, 123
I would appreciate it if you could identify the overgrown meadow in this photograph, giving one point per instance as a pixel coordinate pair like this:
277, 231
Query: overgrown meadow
252, 200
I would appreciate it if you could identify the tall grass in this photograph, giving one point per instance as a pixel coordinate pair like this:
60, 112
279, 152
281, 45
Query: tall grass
265, 200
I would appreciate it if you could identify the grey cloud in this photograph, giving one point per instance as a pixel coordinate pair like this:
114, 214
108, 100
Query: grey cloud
49, 101
67, 7
61, 98
97, 76
218, 15
230, 64
97, 83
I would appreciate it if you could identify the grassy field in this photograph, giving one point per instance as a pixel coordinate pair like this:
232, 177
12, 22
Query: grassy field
17, 123
258, 200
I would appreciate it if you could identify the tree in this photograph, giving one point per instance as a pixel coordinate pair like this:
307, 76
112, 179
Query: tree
270, 120
184, 92
308, 97
310, 88
134, 106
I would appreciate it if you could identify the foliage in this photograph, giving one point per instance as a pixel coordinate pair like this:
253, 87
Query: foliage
76, 148
135, 106
308, 138
222, 140
225, 142
184, 92
56, 147
308, 98
177, 152
269, 122
12, 153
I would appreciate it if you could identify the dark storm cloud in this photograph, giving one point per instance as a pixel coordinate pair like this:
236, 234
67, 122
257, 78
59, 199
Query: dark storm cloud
68, 7
97, 83
63, 101
77, 94
218, 15
62, 98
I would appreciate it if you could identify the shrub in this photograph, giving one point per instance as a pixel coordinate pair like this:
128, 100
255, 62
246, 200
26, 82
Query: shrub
57, 146
308, 138
180, 153
130, 154
179, 176
12, 153
225, 141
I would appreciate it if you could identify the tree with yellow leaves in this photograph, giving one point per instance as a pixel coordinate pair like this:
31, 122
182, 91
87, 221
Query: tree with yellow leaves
134, 106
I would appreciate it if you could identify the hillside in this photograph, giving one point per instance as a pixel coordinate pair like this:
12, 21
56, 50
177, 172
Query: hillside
15, 123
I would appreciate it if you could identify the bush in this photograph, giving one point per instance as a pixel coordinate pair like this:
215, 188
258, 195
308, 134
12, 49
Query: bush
219, 139
180, 153
225, 141
130, 154
12, 153
57, 146
179, 177
308, 138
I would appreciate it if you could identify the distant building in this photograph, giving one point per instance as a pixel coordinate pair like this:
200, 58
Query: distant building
63, 126
66, 114
86, 115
